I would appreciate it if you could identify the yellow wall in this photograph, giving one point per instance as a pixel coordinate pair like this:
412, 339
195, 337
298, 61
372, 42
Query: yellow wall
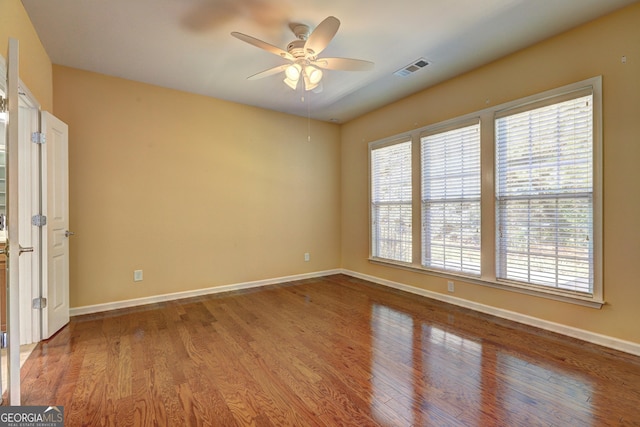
180, 185
195, 191
588, 51
35, 65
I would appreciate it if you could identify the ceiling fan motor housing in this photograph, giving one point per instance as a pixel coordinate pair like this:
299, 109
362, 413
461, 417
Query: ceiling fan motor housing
301, 31
296, 48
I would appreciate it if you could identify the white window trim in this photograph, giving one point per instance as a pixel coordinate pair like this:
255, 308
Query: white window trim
488, 255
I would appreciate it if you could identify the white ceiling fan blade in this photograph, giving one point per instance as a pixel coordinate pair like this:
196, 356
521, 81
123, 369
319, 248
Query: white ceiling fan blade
263, 45
321, 36
343, 64
269, 72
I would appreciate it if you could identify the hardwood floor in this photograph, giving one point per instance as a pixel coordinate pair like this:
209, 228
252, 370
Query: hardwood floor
327, 352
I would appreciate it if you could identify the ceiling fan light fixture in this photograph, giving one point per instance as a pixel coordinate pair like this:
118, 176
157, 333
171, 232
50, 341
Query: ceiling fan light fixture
293, 72
314, 74
293, 84
318, 88
307, 84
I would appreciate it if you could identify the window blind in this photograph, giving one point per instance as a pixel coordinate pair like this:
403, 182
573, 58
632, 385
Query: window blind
544, 195
451, 200
391, 202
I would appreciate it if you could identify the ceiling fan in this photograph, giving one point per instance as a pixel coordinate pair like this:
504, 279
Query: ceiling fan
302, 55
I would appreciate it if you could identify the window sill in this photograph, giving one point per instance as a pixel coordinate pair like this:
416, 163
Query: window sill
556, 295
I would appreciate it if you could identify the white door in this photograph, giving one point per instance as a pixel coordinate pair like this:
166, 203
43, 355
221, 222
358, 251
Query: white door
55, 206
29, 205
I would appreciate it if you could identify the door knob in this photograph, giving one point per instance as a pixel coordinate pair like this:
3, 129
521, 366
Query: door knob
68, 233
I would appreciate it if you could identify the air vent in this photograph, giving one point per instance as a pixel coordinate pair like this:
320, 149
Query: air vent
412, 68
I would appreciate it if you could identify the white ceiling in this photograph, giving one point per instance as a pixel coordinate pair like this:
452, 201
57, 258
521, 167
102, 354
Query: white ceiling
186, 44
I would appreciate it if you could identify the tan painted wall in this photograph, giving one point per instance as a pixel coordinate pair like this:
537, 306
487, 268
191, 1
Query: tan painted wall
196, 192
178, 185
35, 65
588, 51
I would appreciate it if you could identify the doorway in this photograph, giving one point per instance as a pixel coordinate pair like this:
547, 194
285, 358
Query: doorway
28, 190
35, 184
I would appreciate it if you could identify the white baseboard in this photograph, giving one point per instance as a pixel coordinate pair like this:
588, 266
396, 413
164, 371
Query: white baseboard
592, 337
97, 308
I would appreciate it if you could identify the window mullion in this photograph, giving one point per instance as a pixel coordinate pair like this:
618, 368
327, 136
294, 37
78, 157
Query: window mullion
416, 198
488, 200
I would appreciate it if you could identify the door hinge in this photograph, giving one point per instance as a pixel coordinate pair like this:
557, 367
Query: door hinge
4, 105
3, 340
39, 220
39, 303
38, 138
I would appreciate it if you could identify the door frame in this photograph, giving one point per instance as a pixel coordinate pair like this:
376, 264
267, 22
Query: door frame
13, 230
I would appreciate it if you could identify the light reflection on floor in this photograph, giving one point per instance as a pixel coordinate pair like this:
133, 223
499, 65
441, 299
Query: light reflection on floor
432, 375
391, 366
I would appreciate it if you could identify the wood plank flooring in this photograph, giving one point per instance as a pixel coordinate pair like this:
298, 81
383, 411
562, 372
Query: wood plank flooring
333, 351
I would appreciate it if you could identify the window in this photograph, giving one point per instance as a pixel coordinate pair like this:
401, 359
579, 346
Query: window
509, 196
391, 202
544, 195
451, 200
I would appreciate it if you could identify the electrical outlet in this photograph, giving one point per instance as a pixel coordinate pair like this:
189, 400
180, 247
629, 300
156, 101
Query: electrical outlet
137, 275
450, 286
307, 257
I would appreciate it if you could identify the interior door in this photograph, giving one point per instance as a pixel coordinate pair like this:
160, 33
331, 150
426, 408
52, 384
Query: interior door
55, 205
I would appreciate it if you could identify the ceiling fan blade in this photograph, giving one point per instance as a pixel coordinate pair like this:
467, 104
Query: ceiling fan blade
263, 45
343, 64
269, 72
321, 36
